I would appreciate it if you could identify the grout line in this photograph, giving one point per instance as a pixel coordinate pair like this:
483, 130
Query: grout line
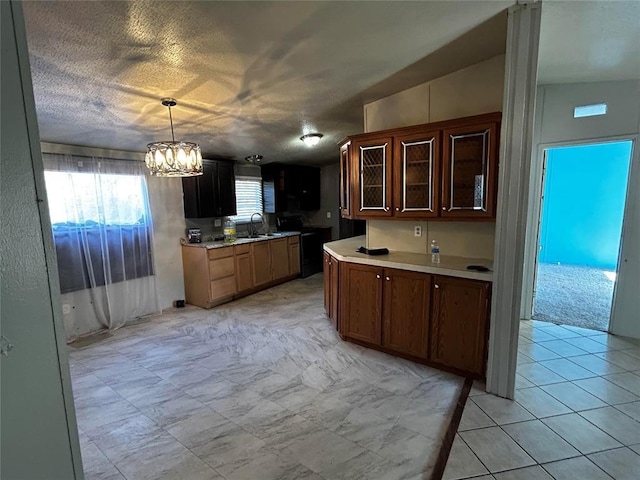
450, 435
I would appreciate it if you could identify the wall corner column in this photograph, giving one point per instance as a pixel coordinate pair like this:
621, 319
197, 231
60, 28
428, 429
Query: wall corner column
523, 34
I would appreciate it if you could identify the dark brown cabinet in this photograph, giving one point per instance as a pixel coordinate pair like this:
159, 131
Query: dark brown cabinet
290, 187
445, 170
386, 307
406, 311
212, 194
331, 269
459, 323
433, 319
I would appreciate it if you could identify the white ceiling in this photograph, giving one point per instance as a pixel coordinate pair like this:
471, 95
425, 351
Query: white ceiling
589, 41
249, 77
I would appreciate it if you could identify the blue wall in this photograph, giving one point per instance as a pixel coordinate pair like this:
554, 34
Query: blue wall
584, 195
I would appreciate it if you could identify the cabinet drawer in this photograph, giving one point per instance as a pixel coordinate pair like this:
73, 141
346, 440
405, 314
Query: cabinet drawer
246, 248
223, 287
220, 252
222, 267
293, 240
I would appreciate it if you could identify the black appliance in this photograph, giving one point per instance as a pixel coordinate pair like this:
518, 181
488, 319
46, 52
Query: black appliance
311, 241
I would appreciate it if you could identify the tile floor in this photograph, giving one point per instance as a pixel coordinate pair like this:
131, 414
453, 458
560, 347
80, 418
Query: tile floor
576, 414
261, 388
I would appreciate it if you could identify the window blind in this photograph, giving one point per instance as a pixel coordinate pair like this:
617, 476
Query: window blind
248, 197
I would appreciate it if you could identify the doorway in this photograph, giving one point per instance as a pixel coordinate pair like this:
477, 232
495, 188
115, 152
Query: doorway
582, 208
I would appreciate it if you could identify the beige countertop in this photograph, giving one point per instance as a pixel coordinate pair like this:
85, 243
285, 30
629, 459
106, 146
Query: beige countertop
345, 250
241, 241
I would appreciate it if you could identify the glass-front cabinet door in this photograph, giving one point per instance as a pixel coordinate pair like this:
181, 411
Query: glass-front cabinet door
469, 164
416, 175
373, 177
345, 180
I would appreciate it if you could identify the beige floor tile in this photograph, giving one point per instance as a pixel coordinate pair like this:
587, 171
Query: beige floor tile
462, 462
606, 391
522, 358
621, 464
573, 396
473, 417
539, 335
587, 344
537, 352
629, 381
540, 442
540, 403
528, 473
561, 332
478, 388
522, 382
580, 433
496, 450
615, 342
585, 332
596, 364
621, 359
580, 468
635, 448
501, 410
562, 348
567, 369
538, 374
615, 423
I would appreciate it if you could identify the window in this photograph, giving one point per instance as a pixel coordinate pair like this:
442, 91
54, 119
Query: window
248, 197
101, 227
590, 110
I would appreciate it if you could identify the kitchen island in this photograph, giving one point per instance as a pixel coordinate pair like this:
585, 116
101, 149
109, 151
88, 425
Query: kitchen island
402, 304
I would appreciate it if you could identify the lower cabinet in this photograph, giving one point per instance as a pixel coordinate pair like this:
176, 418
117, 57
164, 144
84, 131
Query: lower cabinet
331, 269
294, 255
261, 263
459, 323
279, 258
244, 268
437, 319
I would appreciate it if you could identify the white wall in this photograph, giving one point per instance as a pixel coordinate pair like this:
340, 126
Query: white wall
471, 91
555, 125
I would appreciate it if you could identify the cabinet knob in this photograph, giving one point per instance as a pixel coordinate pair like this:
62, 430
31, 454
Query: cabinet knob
377, 276
436, 286
444, 208
387, 278
397, 209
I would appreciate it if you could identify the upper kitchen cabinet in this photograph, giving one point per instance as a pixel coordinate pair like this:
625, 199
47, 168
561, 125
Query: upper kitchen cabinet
469, 171
212, 194
372, 171
445, 170
290, 187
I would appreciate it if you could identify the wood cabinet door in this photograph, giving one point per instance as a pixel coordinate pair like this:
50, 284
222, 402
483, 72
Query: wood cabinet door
334, 285
244, 272
261, 263
469, 171
226, 190
372, 177
326, 280
459, 323
405, 325
361, 302
294, 258
416, 174
279, 258
345, 180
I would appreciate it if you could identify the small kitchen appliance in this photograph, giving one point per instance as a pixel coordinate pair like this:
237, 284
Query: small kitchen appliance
194, 235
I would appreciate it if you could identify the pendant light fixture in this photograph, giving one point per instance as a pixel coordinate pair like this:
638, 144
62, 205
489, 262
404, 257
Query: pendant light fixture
173, 159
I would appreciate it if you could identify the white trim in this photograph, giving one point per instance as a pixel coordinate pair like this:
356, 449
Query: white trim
523, 32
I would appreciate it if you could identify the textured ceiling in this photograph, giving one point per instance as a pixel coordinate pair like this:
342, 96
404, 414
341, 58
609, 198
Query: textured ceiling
249, 77
589, 41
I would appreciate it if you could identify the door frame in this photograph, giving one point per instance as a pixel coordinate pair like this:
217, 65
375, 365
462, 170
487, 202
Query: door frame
534, 214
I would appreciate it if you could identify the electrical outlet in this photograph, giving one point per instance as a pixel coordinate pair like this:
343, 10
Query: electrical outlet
328, 214
66, 309
417, 231
217, 222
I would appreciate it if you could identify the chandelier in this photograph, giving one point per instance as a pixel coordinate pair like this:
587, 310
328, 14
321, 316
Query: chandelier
173, 159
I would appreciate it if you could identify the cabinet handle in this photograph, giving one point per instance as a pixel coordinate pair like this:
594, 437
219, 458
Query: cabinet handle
377, 276
436, 286
387, 278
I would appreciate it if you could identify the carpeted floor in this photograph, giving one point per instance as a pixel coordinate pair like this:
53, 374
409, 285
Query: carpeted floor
571, 295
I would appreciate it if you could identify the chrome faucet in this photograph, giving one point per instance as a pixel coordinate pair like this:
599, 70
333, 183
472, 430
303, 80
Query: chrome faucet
253, 231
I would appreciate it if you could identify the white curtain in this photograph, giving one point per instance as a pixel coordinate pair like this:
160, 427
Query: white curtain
103, 234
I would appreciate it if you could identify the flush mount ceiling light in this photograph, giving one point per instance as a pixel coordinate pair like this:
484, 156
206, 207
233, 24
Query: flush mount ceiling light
311, 139
173, 159
253, 159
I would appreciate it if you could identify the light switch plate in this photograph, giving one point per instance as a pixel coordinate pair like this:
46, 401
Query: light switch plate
217, 222
328, 214
417, 231
66, 309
